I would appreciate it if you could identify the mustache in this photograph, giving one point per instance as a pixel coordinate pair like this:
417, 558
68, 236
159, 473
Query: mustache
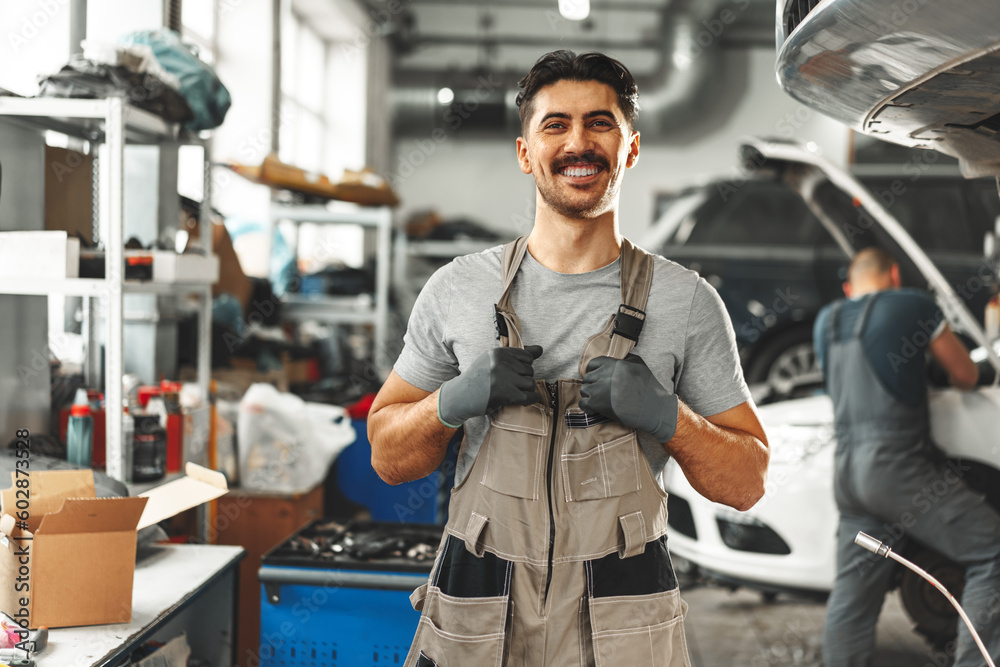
586, 158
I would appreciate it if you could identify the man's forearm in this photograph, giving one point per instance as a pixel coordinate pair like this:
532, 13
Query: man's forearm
408, 440
726, 465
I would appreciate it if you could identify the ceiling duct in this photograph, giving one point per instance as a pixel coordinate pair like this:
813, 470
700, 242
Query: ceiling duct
687, 75
690, 69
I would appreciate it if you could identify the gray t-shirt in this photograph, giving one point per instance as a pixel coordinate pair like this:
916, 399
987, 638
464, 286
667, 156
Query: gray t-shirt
687, 339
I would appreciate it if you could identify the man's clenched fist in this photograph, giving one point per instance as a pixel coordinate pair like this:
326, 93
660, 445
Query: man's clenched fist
625, 390
502, 376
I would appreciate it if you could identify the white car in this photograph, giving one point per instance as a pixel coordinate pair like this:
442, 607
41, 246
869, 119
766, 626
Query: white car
787, 542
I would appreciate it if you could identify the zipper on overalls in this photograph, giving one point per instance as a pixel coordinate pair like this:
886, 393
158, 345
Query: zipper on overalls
552, 388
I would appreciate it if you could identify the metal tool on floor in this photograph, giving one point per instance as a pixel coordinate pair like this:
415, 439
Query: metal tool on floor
879, 549
10, 657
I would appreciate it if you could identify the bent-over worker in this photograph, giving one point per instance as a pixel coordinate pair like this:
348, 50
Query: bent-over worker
889, 479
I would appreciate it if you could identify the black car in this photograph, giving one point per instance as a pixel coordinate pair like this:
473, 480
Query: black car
775, 264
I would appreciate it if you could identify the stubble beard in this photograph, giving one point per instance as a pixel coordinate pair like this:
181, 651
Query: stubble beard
576, 208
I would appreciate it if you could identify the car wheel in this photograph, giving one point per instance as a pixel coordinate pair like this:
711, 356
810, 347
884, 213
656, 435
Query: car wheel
926, 606
787, 363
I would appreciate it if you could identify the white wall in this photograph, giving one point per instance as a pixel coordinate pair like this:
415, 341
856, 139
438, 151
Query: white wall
480, 179
34, 40
108, 20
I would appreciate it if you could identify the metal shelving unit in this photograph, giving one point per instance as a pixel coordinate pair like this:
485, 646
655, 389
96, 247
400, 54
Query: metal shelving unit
112, 122
348, 310
410, 276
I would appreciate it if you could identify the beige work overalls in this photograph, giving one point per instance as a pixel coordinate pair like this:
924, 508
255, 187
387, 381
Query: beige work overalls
555, 553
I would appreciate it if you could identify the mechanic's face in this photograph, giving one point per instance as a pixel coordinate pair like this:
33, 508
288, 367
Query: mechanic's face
577, 146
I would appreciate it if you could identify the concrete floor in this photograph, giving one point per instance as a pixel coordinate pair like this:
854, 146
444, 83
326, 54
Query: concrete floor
740, 628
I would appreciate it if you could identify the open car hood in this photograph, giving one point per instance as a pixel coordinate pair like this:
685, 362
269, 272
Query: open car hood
805, 170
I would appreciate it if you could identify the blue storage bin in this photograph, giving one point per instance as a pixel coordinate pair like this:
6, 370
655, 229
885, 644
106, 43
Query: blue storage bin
326, 609
421, 501
336, 626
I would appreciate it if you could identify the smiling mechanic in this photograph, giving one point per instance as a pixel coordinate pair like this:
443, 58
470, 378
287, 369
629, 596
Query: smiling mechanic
872, 347
578, 364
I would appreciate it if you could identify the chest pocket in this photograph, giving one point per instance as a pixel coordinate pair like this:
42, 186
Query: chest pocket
599, 459
516, 445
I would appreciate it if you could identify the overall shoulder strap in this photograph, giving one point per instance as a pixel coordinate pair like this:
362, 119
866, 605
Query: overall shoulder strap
636, 279
508, 326
833, 326
859, 328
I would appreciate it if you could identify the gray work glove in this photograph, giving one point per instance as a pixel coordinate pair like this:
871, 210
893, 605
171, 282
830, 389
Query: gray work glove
502, 376
625, 390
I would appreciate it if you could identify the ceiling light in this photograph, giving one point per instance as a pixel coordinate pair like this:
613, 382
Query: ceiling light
446, 96
574, 10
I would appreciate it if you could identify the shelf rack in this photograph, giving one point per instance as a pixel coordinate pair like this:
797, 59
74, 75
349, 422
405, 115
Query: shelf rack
347, 310
409, 276
113, 122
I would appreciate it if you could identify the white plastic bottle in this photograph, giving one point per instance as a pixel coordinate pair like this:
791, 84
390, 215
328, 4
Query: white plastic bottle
992, 318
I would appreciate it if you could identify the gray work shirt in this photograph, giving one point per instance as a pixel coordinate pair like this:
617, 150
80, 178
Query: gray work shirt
687, 340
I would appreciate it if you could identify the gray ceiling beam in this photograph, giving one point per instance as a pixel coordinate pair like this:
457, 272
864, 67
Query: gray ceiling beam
539, 4
521, 40
741, 37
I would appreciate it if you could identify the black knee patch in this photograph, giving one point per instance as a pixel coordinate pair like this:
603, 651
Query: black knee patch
463, 575
648, 572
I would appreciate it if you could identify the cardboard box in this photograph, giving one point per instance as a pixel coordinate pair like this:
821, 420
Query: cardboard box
50, 255
69, 192
363, 187
76, 558
232, 280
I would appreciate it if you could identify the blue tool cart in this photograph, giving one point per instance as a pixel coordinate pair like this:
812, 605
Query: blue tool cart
336, 594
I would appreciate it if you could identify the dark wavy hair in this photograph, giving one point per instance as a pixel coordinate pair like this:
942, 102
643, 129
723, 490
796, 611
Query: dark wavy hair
566, 65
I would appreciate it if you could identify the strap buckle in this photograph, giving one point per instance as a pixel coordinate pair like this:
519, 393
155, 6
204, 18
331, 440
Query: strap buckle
628, 322
501, 322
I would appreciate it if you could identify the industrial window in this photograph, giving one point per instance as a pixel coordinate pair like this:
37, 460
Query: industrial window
302, 129
322, 122
323, 94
